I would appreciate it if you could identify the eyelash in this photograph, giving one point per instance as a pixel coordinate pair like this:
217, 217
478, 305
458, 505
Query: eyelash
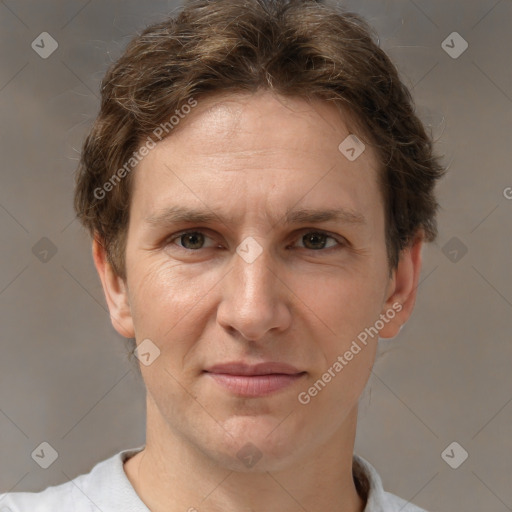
341, 242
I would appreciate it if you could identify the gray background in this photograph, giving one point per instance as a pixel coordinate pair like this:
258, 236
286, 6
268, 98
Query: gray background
65, 376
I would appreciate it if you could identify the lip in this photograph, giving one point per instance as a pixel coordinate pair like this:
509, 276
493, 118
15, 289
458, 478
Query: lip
241, 368
254, 380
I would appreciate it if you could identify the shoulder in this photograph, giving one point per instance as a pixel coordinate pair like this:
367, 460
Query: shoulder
104, 485
59, 497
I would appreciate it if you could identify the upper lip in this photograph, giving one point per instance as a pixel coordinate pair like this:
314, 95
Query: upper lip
240, 368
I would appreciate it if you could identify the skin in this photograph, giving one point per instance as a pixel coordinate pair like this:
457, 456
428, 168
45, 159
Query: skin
248, 158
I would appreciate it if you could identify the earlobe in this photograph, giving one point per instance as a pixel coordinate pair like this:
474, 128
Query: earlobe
401, 293
116, 293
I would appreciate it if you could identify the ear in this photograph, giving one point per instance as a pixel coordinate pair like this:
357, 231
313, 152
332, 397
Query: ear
116, 292
401, 292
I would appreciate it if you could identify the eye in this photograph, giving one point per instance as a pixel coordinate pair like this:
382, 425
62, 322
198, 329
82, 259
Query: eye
313, 240
191, 240
316, 240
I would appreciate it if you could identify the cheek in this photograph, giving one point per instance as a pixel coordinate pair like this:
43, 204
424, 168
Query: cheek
344, 302
164, 295
346, 308
151, 298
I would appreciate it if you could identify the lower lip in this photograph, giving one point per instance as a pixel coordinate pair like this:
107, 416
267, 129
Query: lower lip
255, 385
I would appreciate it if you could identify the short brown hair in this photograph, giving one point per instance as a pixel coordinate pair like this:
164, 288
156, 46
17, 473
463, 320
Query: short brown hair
301, 48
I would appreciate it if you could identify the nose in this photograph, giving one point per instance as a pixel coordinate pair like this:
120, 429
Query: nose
254, 298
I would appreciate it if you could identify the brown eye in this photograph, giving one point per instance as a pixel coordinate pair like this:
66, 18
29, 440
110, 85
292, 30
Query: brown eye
189, 240
193, 240
316, 240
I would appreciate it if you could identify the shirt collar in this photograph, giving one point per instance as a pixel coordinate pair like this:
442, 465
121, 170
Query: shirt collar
367, 481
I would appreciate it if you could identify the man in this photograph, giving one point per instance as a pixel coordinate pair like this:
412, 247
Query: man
259, 190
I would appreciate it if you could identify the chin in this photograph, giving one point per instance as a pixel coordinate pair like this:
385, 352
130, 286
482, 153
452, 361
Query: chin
257, 444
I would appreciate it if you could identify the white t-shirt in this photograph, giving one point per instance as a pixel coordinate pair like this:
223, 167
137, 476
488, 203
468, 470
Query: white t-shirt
106, 488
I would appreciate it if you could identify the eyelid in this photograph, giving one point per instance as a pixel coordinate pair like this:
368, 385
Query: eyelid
341, 241
178, 235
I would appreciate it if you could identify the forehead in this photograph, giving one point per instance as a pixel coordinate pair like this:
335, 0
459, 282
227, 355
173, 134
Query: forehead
264, 120
257, 143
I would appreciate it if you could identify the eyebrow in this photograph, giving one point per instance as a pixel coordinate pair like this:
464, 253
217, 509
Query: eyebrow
180, 214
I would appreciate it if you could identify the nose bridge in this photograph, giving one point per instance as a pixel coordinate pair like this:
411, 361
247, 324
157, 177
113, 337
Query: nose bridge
252, 272
251, 301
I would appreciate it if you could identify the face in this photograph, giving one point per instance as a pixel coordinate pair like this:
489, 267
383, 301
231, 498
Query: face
284, 262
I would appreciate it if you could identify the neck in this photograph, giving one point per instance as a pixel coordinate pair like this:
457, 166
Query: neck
172, 474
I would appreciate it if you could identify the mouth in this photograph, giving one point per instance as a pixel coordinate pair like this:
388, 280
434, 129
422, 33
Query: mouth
254, 380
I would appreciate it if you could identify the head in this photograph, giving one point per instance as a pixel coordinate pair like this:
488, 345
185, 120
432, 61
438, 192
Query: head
303, 237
